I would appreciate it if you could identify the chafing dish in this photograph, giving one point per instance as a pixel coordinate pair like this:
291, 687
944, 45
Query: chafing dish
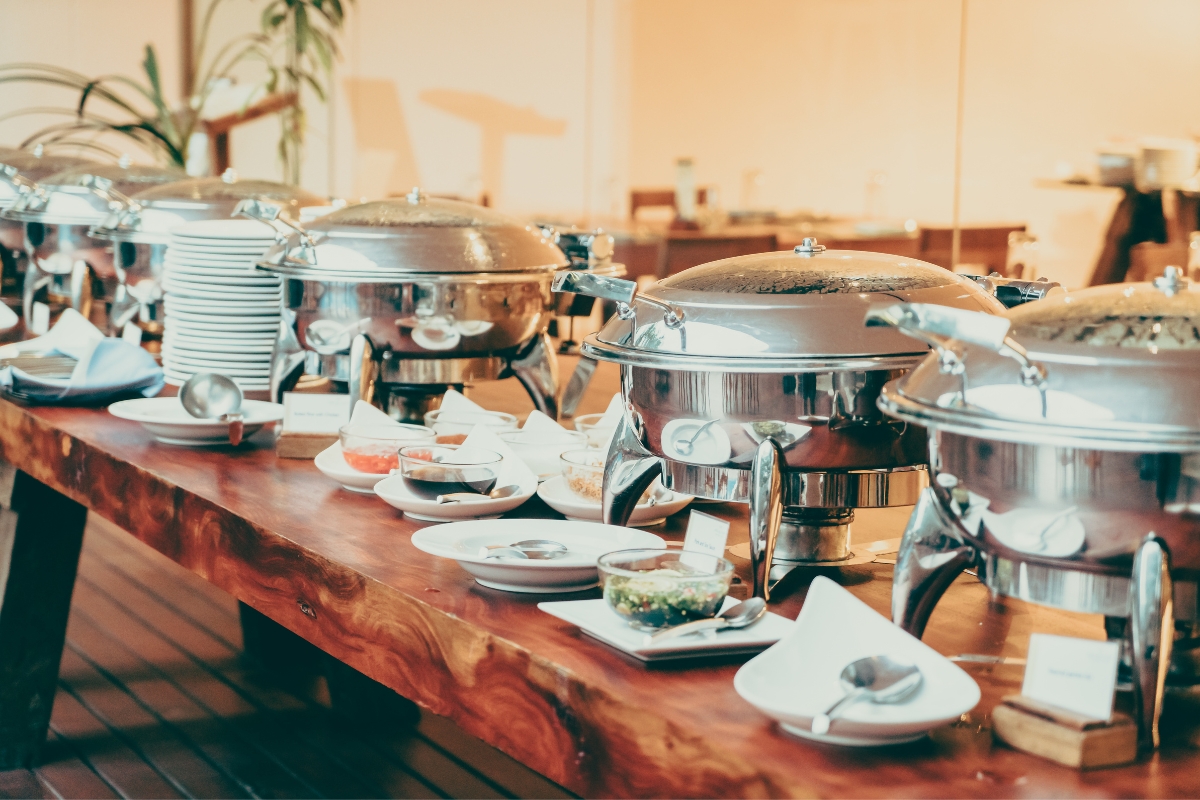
57, 212
139, 225
751, 379
1064, 447
19, 170
396, 300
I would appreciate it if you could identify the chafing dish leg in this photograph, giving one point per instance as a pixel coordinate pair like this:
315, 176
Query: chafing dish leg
628, 470
932, 554
287, 358
766, 512
580, 378
363, 370
81, 288
537, 370
1152, 631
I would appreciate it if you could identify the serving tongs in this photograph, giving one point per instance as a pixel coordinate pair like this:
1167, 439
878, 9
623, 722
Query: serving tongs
946, 329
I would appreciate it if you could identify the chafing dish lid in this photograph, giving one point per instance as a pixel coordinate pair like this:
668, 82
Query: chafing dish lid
1115, 366
34, 165
803, 304
412, 235
87, 193
156, 210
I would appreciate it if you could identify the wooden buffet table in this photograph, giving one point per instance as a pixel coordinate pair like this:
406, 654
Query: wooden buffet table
338, 569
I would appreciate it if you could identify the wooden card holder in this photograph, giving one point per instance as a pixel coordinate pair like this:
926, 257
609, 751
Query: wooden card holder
1063, 736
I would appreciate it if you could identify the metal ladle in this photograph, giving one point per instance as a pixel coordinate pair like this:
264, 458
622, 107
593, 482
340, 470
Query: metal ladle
471, 497
685, 446
879, 679
207, 395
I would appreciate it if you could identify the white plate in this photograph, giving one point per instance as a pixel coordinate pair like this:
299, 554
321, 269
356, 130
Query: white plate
223, 229
798, 677
555, 493
240, 274
170, 423
186, 247
202, 344
228, 370
229, 307
576, 571
396, 494
246, 385
253, 359
224, 289
213, 324
244, 282
711, 445
597, 620
332, 465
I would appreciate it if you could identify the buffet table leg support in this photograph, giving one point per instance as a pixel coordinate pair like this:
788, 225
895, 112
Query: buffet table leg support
1152, 632
41, 532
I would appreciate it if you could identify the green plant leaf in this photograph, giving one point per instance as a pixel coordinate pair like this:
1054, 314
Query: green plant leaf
300, 16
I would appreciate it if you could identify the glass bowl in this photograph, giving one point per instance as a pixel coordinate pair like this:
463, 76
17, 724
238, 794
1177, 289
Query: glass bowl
447, 424
583, 473
430, 470
541, 451
655, 589
596, 428
375, 449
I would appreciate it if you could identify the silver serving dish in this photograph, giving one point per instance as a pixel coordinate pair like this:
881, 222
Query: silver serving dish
1064, 447
19, 172
139, 222
751, 379
398, 299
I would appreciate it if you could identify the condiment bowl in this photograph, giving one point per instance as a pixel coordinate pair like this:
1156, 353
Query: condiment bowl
430, 470
655, 589
375, 448
542, 451
597, 429
461, 423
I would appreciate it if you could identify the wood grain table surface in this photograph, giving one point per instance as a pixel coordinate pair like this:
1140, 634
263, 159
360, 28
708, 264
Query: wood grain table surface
339, 570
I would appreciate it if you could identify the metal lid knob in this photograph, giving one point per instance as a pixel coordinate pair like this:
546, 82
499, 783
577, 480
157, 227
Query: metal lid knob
1172, 281
229, 175
808, 246
416, 196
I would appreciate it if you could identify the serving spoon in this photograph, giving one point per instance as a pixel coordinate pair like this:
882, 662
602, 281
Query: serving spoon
880, 679
207, 395
740, 615
685, 446
470, 497
534, 549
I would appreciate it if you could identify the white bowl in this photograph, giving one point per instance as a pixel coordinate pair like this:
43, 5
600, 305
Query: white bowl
170, 423
396, 494
331, 464
541, 453
554, 493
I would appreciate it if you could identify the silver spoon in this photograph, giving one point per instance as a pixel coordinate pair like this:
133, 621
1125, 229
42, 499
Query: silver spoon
879, 679
685, 446
536, 549
741, 615
469, 497
207, 395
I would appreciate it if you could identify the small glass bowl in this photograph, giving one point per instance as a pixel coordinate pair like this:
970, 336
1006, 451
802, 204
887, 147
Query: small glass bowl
374, 449
541, 451
583, 472
596, 428
655, 589
430, 470
460, 423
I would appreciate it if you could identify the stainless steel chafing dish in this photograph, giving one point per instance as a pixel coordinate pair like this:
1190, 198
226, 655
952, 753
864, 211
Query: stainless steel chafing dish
751, 379
64, 259
140, 226
1064, 446
398, 299
19, 170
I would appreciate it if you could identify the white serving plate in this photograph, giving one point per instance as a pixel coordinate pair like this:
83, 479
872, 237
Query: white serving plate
396, 494
227, 308
797, 678
332, 465
197, 344
246, 385
223, 229
711, 446
210, 323
239, 276
185, 354
597, 620
228, 370
185, 330
555, 493
219, 290
170, 423
587, 541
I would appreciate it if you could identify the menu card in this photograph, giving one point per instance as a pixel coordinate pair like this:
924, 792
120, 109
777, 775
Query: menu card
1079, 675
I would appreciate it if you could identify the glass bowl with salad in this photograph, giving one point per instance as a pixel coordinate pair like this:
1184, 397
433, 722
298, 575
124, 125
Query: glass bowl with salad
655, 589
375, 449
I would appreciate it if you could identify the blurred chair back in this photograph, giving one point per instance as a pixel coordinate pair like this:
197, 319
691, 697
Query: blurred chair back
682, 251
983, 245
651, 198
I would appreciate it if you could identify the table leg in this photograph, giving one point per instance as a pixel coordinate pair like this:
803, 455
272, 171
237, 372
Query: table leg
41, 533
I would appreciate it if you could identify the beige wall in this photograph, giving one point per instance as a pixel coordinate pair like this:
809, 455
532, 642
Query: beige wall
817, 94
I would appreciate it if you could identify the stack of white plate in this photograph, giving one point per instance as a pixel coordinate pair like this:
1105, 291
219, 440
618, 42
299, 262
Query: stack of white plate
222, 314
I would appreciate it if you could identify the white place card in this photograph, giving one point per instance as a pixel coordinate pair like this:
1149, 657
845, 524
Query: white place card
314, 413
1079, 675
705, 534
39, 322
132, 333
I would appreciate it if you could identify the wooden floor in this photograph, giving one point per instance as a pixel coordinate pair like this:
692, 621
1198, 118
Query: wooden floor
156, 701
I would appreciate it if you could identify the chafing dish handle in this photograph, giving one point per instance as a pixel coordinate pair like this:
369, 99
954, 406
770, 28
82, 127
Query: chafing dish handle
117, 200
23, 185
272, 214
623, 292
1152, 633
1012, 292
766, 512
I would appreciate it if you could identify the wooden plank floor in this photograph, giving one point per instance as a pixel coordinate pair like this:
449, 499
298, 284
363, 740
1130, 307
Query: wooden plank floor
156, 701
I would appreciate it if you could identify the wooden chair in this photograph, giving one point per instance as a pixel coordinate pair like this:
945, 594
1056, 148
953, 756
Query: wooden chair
648, 198
979, 245
684, 250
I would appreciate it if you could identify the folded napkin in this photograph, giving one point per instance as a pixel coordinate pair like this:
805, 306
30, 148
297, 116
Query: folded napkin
105, 366
541, 428
455, 402
611, 419
514, 469
367, 415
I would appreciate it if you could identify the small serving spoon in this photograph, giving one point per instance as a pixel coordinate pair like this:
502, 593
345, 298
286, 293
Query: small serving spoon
685, 446
741, 615
879, 679
207, 395
470, 497
535, 549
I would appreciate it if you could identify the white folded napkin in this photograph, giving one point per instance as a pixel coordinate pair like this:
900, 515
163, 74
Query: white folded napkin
73, 335
541, 428
611, 419
455, 402
365, 414
513, 469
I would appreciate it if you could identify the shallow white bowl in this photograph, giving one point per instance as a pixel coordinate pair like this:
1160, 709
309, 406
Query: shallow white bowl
170, 423
558, 496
